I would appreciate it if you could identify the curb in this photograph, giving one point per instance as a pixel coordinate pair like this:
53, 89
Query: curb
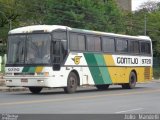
157, 81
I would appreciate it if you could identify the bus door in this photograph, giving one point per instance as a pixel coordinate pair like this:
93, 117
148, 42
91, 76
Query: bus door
59, 48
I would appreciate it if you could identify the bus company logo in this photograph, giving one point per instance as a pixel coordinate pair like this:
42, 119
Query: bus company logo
76, 59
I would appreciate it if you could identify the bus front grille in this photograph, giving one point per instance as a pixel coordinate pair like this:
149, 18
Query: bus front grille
19, 74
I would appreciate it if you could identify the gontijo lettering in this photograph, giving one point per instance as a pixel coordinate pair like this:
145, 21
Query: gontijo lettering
124, 60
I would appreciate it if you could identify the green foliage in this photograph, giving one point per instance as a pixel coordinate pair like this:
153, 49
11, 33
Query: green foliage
136, 25
86, 14
2, 50
156, 67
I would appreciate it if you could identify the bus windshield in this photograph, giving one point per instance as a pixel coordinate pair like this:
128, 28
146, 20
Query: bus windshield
30, 49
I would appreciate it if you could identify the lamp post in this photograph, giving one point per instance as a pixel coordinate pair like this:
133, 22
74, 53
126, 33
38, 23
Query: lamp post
145, 25
9, 20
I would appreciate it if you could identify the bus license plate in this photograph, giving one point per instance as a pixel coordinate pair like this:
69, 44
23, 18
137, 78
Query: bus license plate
24, 80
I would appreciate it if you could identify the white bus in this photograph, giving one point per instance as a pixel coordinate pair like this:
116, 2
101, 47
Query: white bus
62, 57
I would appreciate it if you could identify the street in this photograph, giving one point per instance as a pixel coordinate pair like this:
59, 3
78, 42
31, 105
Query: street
145, 98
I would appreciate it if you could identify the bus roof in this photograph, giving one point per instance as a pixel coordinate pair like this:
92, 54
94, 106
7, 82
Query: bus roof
50, 28
111, 34
30, 29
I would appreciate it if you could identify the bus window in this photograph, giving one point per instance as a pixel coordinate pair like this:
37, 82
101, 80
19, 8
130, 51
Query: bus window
121, 45
108, 44
133, 47
93, 43
16, 49
77, 42
145, 48
81, 42
59, 35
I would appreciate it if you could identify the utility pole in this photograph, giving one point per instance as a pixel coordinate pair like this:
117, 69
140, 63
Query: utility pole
145, 25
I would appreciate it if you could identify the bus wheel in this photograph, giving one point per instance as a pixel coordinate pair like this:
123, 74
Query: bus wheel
102, 87
72, 83
132, 81
35, 90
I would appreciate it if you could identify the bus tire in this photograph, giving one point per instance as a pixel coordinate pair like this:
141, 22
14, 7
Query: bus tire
35, 90
72, 83
102, 87
132, 81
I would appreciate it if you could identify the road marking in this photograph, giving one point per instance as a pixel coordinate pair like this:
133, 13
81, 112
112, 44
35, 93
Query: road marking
76, 98
131, 110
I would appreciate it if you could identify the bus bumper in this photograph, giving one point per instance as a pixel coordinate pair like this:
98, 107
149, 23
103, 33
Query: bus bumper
34, 82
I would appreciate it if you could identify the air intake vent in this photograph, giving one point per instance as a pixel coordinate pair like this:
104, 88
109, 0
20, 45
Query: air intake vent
147, 73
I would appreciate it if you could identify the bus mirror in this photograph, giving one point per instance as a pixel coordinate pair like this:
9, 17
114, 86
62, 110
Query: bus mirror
56, 66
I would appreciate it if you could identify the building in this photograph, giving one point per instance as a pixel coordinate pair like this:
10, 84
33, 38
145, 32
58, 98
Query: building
125, 4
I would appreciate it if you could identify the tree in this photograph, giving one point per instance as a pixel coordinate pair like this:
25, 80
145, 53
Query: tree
150, 14
86, 14
149, 6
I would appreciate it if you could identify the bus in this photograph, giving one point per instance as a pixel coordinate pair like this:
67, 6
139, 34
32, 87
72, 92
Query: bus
44, 56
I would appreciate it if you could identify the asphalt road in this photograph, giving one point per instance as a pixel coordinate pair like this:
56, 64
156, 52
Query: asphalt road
145, 98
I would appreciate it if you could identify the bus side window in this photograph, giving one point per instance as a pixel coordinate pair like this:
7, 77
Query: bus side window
93, 43
133, 47
77, 42
145, 48
121, 45
59, 35
108, 44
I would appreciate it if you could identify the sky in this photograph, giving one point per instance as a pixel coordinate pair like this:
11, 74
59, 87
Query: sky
137, 3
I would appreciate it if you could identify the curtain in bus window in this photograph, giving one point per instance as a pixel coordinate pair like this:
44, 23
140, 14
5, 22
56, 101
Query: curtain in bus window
148, 48
77, 42
133, 46
108, 44
145, 48
136, 47
73, 41
81, 42
97, 42
93, 43
121, 45
16, 49
90, 43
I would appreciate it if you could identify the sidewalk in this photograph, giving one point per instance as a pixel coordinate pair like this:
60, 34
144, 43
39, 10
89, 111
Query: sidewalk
156, 80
